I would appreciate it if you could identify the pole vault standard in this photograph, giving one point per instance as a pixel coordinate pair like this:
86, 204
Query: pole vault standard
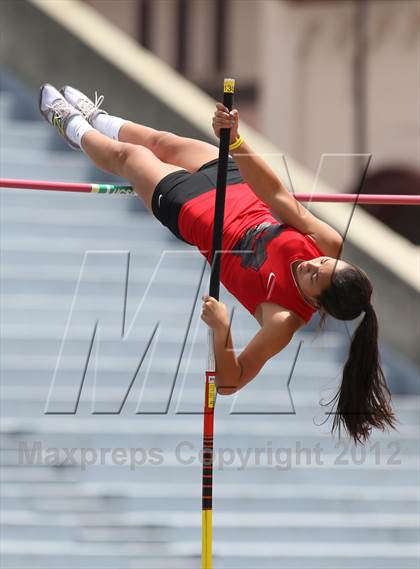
367, 199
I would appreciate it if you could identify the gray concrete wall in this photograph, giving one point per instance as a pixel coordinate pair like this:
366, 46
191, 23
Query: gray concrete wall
312, 44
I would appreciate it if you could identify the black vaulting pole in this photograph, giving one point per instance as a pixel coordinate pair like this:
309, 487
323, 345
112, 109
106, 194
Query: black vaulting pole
210, 392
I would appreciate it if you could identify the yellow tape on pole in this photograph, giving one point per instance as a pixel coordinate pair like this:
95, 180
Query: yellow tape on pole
206, 525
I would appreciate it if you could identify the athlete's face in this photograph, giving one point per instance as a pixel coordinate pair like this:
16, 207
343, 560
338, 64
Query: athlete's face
314, 276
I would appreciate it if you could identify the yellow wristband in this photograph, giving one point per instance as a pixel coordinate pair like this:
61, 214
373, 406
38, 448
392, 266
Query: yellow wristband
237, 143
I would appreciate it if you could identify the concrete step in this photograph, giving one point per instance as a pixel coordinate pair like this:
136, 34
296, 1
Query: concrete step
76, 344
36, 156
180, 525
302, 446
49, 428
178, 496
101, 492
25, 101
22, 136
70, 244
44, 202
181, 455
61, 164
274, 382
273, 554
304, 398
241, 506
32, 136
6, 106
284, 535
327, 342
107, 217
25, 402
266, 476
98, 230
32, 170
159, 271
125, 366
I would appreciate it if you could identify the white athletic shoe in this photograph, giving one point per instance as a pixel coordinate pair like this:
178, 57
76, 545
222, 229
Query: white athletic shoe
57, 111
89, 109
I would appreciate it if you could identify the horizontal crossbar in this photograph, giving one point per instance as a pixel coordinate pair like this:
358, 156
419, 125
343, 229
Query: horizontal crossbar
382, 199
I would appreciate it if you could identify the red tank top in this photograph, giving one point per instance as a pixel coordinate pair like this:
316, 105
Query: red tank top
258, 251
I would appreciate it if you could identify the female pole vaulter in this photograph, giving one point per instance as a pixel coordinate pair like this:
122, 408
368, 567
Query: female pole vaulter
282, 273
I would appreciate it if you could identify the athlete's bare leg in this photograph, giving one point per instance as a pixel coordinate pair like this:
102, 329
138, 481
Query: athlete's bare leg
135, 163
187, 153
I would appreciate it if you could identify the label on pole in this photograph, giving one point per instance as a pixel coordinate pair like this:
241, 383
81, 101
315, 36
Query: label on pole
229, 86
211, 390
119, 190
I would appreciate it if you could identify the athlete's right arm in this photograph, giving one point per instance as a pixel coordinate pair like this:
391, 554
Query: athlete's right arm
254, 170
269, 341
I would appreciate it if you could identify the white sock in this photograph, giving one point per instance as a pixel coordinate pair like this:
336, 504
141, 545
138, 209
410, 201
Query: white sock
108, 125
76, 128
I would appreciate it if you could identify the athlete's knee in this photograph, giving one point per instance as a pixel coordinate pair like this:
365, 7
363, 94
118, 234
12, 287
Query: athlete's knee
164, 143
122, 151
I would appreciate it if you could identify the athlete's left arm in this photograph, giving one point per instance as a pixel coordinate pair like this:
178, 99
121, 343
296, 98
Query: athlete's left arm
233, 373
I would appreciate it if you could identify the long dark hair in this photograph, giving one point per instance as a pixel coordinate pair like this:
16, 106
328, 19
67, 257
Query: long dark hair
363, 400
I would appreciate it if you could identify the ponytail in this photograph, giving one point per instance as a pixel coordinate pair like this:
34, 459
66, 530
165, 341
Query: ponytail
363, 400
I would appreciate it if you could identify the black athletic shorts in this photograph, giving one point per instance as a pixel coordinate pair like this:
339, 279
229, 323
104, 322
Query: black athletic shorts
175, 189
